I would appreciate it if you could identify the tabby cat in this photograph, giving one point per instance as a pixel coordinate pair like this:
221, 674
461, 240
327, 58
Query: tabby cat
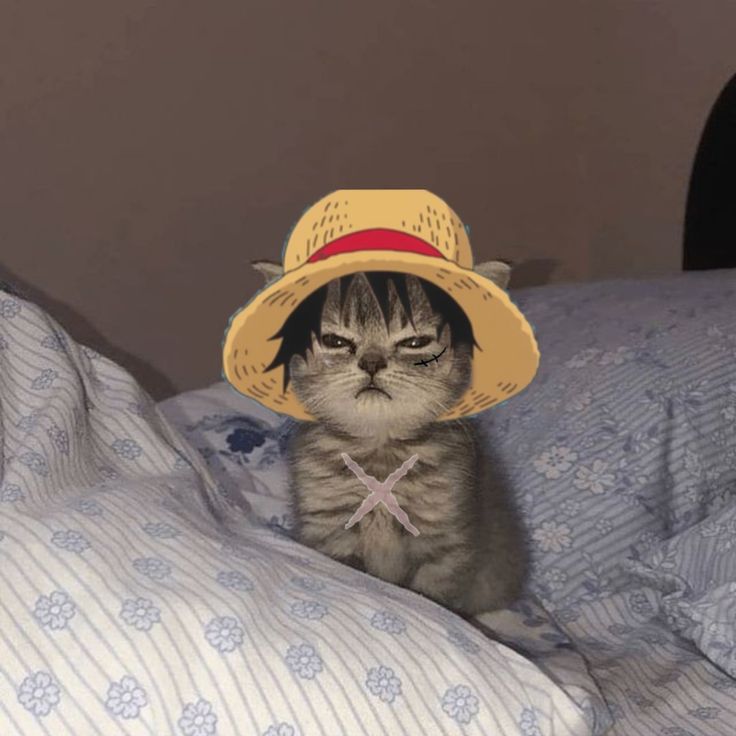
376, 358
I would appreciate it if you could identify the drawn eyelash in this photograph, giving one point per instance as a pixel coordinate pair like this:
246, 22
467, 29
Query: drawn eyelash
432, 359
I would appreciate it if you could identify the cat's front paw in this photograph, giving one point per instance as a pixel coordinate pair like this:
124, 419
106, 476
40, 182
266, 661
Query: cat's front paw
439, 582
492, 589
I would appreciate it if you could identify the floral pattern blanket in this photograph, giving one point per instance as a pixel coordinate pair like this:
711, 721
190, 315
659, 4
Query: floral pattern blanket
141, 595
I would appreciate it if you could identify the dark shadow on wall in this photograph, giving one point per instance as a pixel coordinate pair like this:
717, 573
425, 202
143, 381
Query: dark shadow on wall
79, 327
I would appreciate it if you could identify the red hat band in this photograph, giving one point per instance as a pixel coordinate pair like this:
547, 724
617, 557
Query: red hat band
375, 239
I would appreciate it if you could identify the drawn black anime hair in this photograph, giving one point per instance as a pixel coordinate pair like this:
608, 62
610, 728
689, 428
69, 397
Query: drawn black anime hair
306, 319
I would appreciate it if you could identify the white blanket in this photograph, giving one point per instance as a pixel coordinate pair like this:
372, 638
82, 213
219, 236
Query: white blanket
135, 600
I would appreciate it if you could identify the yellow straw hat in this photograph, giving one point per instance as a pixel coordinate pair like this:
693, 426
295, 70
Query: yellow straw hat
411, 231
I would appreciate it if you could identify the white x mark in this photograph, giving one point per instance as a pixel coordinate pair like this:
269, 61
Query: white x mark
381, 493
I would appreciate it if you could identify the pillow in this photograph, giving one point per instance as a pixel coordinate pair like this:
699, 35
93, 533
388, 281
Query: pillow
243, 444
693, 576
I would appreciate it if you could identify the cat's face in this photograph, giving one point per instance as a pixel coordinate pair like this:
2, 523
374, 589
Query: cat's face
370, 381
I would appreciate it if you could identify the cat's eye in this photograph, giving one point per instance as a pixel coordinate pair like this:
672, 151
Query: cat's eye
331, 340
416, 342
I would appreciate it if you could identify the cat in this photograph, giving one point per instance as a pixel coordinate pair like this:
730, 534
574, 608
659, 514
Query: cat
376, 358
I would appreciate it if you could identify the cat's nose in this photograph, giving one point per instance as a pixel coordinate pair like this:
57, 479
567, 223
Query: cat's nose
371, 363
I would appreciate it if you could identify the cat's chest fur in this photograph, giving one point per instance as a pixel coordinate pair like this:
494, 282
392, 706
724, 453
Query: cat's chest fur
437, 494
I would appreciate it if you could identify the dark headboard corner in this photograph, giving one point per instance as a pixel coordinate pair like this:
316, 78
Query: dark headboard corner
710, 217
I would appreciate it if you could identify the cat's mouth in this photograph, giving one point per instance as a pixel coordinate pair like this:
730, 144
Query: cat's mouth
371, 388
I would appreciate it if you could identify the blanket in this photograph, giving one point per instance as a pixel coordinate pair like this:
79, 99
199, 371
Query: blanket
136, 598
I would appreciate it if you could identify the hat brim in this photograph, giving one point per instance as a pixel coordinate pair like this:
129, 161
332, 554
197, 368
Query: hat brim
504, 363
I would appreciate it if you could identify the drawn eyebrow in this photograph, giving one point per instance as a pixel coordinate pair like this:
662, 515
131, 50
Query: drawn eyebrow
433, 358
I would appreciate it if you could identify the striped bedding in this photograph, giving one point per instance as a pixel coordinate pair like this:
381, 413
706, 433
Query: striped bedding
139, 594
623, 444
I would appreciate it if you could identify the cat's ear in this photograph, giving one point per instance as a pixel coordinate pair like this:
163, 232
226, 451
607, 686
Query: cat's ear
497, 271
270, 270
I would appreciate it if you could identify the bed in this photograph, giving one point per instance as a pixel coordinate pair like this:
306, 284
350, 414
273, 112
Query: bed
149, 584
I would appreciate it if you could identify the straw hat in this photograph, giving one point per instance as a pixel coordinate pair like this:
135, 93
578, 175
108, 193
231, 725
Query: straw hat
405, 230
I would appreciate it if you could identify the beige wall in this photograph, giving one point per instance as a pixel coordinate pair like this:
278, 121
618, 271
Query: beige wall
149, 150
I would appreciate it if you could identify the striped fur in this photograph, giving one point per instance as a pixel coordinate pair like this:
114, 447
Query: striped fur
450, 495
